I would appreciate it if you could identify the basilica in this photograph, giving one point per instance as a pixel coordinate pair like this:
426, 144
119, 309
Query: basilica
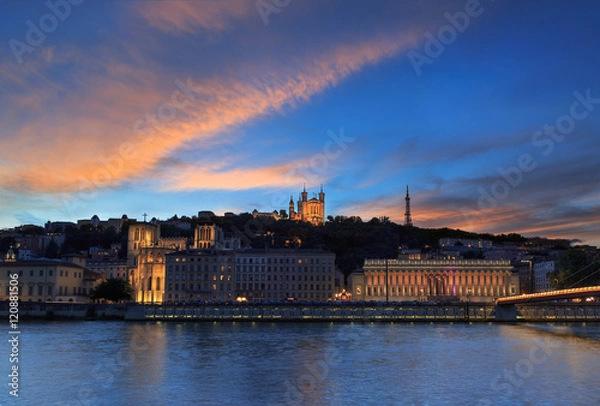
312, 211
309, 210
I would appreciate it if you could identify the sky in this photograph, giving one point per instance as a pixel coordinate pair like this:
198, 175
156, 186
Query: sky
489, 111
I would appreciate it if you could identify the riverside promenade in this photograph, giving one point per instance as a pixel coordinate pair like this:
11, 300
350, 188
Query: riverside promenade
346, 312
363, 312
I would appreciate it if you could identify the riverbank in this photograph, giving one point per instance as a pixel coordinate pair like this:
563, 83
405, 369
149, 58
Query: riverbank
463, 312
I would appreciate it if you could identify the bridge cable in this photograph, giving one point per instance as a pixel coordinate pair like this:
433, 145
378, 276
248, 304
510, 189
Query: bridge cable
594, 261
592, 274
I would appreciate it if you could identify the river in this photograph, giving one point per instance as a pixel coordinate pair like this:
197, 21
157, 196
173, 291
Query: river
244, 363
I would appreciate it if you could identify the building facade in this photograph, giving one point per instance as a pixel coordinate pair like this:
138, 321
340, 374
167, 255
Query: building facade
540, 275
212, 237
146, 261
46, 281
112, 269
197, 275
309, 210
255, 275
285, 273
439, 279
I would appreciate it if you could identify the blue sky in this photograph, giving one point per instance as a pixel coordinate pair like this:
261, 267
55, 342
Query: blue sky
179, 106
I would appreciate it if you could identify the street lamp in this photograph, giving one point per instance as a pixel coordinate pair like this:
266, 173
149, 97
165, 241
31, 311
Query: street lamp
387, 277
468, 313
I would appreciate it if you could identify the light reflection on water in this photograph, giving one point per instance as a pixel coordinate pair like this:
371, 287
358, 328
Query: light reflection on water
117, 363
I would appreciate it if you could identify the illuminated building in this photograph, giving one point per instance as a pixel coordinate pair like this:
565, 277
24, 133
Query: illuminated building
434, 279
47, 281
309, 210
212, 237
200, 275
276, 274
285, 273
146, 252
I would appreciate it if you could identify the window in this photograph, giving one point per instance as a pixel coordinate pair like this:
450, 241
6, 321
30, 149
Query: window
40, 290
30, 290
31, 273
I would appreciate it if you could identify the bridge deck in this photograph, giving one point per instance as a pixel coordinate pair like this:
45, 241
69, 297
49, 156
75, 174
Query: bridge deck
547, 296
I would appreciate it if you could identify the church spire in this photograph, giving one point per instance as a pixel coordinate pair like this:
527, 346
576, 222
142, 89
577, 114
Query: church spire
407, 216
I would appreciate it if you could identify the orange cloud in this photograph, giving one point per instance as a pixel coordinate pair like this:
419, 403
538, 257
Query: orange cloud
189, 177
187, 16
120, 122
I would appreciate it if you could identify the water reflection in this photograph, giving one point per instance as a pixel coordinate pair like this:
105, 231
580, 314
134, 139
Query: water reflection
116, 363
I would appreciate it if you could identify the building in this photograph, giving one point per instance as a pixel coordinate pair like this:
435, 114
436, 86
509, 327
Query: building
95, 222
279, 274
46, 281
58, 226
309, 210
274, 215
200, 275
433, 279
212, 237
146, 263
465, 244
540, 274
112, 269
256, 275
524, 268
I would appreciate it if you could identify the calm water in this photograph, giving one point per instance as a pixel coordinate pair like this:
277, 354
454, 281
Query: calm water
117, 363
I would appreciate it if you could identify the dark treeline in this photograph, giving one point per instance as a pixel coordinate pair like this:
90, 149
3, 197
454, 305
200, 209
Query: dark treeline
350, 238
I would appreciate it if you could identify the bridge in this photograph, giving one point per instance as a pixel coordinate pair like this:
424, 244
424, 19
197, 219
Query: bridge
506, 307
550, 296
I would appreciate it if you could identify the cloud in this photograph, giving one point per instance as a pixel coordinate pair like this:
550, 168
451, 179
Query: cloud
191, 177
533, 207
189, 17
91, 137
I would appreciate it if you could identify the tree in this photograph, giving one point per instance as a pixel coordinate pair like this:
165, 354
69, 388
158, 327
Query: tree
575, 269
113, 289
7, 243
52, 250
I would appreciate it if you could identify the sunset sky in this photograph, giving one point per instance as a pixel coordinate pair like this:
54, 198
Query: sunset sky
489, 111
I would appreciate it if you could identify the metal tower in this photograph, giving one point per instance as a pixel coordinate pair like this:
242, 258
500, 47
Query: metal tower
407, 216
